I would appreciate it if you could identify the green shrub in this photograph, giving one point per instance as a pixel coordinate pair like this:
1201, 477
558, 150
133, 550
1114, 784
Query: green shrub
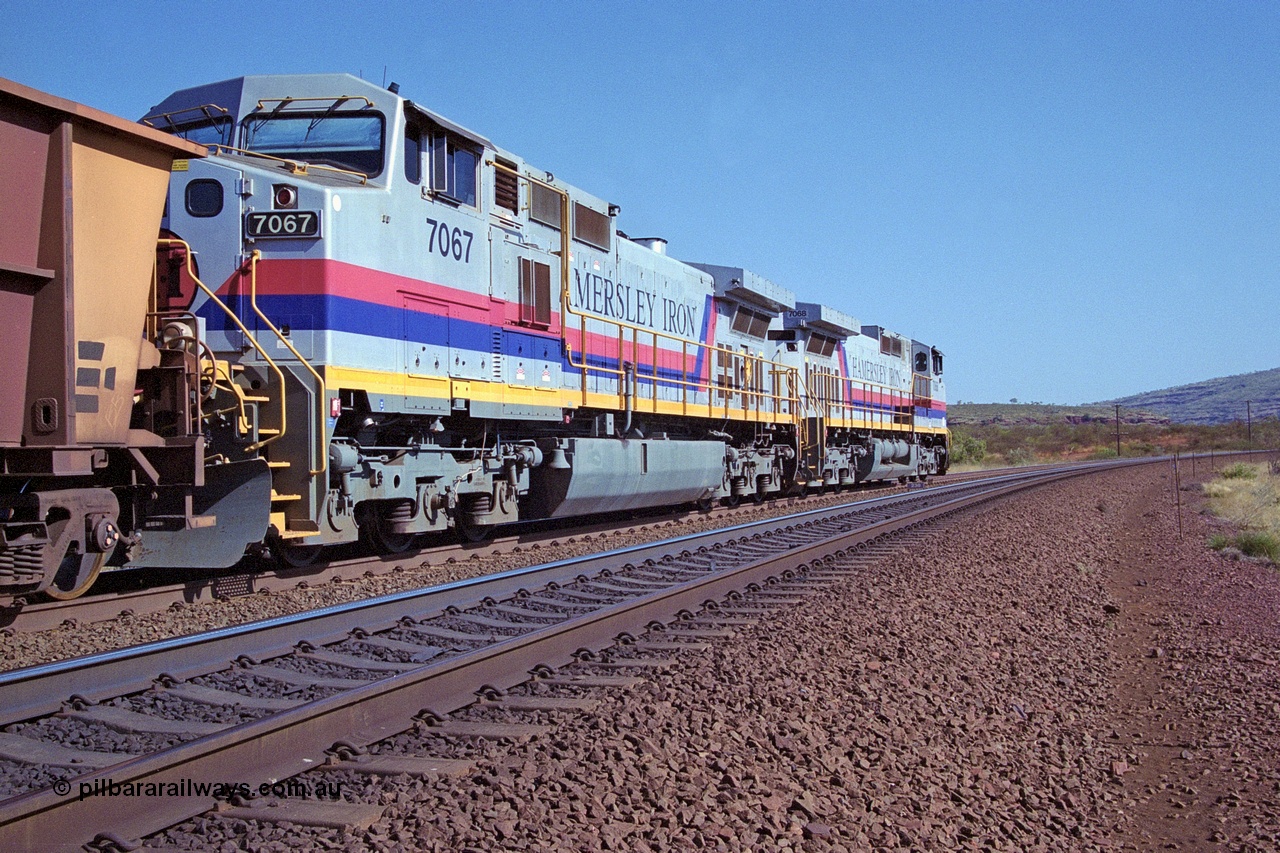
1258, 544
1251, 543
1019, 456
1103, 453
1239, 471
967, 450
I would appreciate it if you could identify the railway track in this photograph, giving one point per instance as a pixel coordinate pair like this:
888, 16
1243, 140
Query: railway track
137, 593
266, 702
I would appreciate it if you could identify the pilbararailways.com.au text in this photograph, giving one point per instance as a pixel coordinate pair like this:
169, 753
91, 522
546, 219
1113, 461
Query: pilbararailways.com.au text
292, 788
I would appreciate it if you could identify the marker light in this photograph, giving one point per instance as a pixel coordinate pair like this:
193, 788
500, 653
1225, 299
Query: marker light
284, 196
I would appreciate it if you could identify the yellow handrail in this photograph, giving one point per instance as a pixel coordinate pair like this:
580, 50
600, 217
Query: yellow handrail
297, 167
203, 109
321, 442
173, 241
338, 101
828, 400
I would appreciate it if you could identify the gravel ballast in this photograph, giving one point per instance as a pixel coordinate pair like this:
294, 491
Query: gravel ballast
1059, 671
22, 649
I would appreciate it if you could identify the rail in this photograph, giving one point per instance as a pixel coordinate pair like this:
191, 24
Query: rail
141, 593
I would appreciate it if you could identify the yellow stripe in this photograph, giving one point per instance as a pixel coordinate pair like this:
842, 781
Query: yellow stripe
387, 384
399, 385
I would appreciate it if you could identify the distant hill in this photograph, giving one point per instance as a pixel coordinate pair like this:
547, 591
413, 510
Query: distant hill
1214, 401
1029, 414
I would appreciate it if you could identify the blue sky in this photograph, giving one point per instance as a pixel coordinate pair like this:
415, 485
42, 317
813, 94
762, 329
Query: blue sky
1074, 201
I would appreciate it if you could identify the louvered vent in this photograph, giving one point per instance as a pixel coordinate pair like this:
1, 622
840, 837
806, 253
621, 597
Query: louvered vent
506, 190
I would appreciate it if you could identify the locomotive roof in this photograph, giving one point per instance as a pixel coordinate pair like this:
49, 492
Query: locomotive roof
746, 286
821, 318
240, 96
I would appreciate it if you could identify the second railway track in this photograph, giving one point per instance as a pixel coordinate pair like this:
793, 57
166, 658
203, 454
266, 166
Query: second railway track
267, 701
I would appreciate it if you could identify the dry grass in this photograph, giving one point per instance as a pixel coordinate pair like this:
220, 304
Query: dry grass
1249, 497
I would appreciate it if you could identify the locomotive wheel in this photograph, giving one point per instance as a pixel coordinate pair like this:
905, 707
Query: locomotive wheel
757, 497
376, 527
470, 534
733, 501
387, 541
76, 574
294, 555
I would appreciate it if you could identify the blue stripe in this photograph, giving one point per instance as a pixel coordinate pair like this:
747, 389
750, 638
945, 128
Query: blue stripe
340, 314
354, 316
702, 336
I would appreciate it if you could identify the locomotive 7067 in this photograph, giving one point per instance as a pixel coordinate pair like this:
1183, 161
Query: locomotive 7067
387, 326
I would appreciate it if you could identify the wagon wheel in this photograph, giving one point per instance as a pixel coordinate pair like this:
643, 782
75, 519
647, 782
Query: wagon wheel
732, 500
75, 575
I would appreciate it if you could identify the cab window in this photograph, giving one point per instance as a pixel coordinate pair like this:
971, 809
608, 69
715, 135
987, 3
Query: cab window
453, 168
821, 345
343, 140
413, 154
